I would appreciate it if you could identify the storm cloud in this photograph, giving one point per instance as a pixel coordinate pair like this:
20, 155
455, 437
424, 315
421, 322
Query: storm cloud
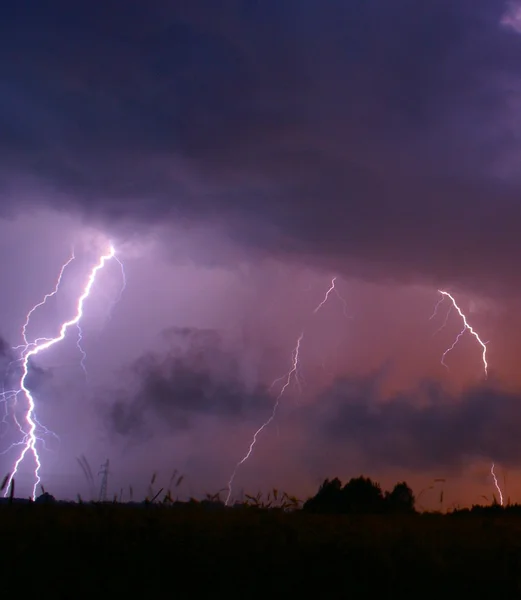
425, 428
196, 378
238, 155
376, 138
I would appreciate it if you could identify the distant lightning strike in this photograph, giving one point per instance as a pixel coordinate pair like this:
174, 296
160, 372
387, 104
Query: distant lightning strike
496, 483
332, 288
29, 429
292, 374
466, 327
326, 296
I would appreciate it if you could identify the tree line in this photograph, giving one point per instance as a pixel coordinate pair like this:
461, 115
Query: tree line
360, 495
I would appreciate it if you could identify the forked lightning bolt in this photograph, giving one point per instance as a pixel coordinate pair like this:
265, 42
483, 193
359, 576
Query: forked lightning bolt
292, 374
29, 428
466, 327
12, 395
496, 483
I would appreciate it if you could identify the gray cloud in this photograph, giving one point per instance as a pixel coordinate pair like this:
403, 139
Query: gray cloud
427, 428
197, 378
5, 349
6, 359
379, 138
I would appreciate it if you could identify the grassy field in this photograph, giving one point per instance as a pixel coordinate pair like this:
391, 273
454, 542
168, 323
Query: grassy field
87, 550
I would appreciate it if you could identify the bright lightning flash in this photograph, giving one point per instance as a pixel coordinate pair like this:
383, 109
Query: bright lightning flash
292, 372
466, 327
80, 331
496, 483
29, 429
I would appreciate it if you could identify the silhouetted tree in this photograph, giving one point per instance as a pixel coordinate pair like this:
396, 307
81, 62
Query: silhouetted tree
328, 499
359, 495
400, 500
362, 495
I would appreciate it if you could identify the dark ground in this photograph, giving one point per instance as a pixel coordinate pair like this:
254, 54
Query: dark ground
113, 550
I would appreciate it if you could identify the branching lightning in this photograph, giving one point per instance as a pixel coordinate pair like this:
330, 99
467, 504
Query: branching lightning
82, 351
78, 325
291, 375
45, 298
332, 288
30, 426
496, 483
444, 324
466, 327
124, 280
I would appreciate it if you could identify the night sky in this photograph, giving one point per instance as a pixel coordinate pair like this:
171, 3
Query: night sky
239, 155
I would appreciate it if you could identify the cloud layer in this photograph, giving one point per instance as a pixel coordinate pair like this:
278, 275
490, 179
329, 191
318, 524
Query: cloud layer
422, 429
427, 428
197, 378
378, 138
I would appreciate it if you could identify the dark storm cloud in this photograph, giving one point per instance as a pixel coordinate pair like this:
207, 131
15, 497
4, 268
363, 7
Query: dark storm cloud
380, 133
196, 378
425, 429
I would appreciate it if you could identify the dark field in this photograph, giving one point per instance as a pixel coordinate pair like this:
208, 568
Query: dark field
113, 550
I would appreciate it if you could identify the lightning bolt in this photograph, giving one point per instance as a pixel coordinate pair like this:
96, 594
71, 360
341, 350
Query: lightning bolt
292, 374
11, 395
29, 429
496, 483
331, 289
45, 298
124, 284
466, 327
82, 351
118, 299
444, 324
438, 304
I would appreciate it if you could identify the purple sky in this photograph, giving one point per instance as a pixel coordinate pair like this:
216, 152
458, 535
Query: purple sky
239, 156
